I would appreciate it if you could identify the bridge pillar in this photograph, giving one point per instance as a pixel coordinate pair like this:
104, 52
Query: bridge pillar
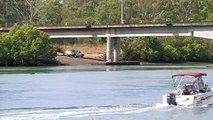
113, 49
116, 49
109, 53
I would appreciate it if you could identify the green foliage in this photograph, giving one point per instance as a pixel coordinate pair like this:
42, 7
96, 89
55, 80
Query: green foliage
108, 12
25, 45
170, 53
131, 49
49, 13
5, 45
151, 49
168, 11
168, 49
87, 10
210, 17
208, 45
1, 15
194, 50
77, 12
1, 21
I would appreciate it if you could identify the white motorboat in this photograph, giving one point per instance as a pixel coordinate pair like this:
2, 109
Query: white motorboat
190, 90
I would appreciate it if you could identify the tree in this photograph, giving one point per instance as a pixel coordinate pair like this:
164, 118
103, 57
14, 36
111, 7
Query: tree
208, 46
1, 20
5, 46
77, 12
25, 45
194, 50
50, 13
20, 11
108, 12
151, 49
1, 14
131, 49
184, 10
87, 11
170, 54
140, 10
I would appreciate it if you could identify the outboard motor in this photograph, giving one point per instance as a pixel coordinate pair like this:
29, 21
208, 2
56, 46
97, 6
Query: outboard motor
171, 99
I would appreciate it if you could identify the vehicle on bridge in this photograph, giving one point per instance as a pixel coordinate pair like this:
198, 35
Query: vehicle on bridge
74, 53
190, 90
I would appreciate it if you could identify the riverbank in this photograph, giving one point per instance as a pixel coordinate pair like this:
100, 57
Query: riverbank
97, 59
87, 60
93, 54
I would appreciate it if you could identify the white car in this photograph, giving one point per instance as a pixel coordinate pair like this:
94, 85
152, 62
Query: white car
74, 53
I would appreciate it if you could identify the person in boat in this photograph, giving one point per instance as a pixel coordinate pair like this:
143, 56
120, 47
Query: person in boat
207, 88
199, 85
185, 90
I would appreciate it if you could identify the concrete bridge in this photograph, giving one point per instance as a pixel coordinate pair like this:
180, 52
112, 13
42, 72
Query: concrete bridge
114, 32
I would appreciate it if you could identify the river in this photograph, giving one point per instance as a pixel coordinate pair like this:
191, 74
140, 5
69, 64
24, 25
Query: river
94, 93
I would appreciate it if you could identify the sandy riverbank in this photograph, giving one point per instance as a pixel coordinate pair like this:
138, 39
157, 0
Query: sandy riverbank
87, 60
98, 59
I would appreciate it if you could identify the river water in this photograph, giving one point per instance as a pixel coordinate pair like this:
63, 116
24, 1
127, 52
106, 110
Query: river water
94, 93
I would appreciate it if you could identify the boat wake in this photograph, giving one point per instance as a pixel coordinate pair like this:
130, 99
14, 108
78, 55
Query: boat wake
74, 112
80, 112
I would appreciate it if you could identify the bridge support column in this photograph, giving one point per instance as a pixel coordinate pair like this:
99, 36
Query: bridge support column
116, 49
113, 49
109, 53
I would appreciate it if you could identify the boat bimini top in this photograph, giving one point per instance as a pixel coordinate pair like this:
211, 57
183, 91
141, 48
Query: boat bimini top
194, 74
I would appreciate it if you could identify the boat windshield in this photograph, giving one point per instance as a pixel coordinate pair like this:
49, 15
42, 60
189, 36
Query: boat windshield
190, 82
179, 81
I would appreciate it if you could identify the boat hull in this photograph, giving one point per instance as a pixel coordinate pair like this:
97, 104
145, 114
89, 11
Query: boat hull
198, 99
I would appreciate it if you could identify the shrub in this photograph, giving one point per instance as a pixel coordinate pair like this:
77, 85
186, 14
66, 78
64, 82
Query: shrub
25, 45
